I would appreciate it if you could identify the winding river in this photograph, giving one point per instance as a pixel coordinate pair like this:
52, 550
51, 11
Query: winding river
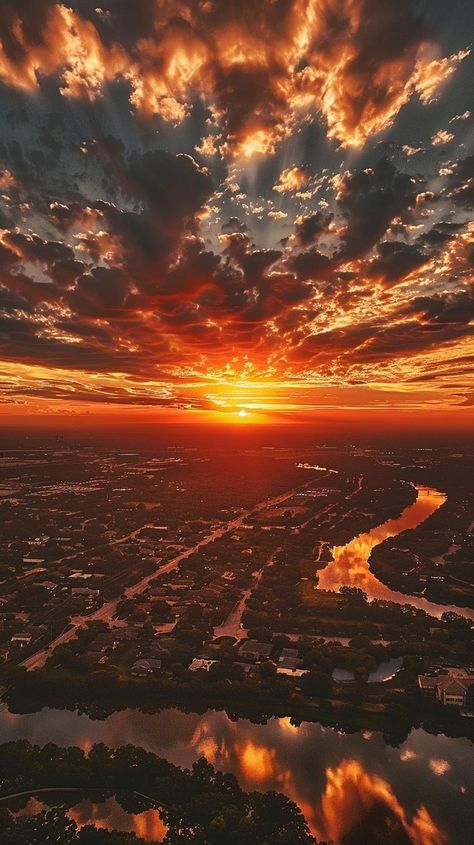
350, 566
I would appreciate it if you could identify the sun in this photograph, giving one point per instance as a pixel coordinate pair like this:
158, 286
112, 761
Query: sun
242, 413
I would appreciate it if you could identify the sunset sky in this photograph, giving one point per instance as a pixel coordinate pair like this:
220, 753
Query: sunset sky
217, 207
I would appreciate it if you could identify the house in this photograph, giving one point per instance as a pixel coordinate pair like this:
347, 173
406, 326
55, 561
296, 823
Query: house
291, 653
200, 663
291, 665
294, 673
155, 648
452, 691
427, 684
143, 668
164, 645
453, 686
51, 586
103, 642
85, 591
34, 633
22, 639
246, 667
253, 650
210, 651
125, 634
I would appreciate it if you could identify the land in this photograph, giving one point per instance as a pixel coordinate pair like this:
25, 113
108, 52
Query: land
190, 576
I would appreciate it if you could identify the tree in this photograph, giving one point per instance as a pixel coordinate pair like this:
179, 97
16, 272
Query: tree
317, 685
49, 826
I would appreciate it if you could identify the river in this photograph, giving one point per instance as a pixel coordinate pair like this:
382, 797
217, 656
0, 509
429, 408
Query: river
350, 566
427, 784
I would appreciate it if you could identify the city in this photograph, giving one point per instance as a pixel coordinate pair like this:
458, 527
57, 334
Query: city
136, 570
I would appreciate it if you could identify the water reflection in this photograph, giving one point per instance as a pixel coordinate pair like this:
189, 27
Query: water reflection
385, 671
350, 567
108, 815
354, 800
111, 816
347, 785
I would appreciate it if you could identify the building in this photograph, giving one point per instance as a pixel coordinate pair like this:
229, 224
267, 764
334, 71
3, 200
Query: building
452, 691
22, 639
293, 673
452, 687
201, 663
253, 650
291, 653
143, 668
290, 663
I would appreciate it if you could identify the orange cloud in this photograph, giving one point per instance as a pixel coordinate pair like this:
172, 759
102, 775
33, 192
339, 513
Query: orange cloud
7, 180
262, 68
292, 179
69, 46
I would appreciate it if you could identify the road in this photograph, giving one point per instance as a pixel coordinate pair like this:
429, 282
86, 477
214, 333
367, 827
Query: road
107, 611
232, 627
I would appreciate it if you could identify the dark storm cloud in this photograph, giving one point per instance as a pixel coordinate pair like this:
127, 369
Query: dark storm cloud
126, 268
439, 309
21, 340
174, 187
234, 225
369, 200
461, 182
396, 260
34, 248
409, 339
334, 342
171, 190
65, 272
101, 292
310, 264
308, 229
8, 258
440, 233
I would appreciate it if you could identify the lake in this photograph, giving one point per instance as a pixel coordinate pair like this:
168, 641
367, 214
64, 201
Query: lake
385, 671
337, 779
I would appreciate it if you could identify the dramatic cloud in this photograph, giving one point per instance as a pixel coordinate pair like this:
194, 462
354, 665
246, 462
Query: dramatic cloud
370, 200
396, 260
262, 64
309, 229
195, 195
461, 182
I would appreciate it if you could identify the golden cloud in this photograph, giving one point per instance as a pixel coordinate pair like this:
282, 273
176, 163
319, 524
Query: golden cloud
292, 179
261, 68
